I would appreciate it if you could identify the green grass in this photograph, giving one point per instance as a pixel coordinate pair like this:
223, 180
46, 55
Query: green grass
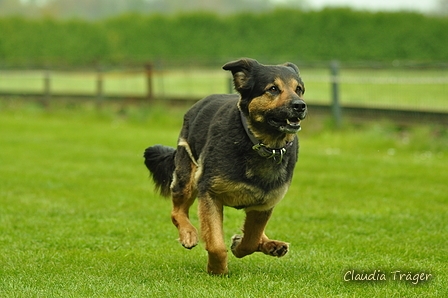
79, 217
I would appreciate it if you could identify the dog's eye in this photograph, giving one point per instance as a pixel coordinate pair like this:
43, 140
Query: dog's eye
273, 89
299, 90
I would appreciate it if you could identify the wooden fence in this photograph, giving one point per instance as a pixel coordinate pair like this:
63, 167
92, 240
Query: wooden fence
405, 95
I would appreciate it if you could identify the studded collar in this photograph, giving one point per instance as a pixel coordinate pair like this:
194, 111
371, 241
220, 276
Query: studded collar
260, 148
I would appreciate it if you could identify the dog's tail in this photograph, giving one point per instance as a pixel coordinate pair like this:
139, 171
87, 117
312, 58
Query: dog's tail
160, 162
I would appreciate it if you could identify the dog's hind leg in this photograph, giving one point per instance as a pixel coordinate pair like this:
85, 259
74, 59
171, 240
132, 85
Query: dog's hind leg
254, 238
183, 191
211, 217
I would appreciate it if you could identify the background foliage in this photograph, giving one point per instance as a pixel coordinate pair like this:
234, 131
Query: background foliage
341, 34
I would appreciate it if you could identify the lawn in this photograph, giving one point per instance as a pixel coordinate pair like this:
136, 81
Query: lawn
79, 217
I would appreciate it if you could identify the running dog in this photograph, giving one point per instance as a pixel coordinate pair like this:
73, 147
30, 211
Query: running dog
236, 150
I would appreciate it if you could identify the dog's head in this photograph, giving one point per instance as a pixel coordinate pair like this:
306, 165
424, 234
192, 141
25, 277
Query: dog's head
271, 95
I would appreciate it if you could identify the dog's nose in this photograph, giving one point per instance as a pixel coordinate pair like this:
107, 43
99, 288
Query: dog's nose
298, 105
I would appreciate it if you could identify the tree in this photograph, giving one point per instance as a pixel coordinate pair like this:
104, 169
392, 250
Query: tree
443, 7
92, 9
216, 6
10, 7
100, 9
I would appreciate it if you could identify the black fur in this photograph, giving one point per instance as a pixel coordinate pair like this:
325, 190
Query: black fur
214, 130
159, 160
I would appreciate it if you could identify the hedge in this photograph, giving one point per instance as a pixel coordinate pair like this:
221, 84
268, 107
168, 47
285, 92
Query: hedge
328, 34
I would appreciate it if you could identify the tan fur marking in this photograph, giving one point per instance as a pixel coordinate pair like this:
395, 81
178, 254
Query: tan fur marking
183, 199
211, 218
259, 105
255, 239
199, 169
235, 194
183, 143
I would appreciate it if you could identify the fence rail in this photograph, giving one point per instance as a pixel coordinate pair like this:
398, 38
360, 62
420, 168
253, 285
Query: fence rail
341, 90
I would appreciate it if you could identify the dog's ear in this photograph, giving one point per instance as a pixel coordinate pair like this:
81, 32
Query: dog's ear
293, 66
241, 71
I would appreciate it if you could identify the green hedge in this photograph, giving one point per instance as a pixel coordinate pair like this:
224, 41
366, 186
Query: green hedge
47, 42
341, 34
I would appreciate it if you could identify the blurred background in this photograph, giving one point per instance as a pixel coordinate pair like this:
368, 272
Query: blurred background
358, 58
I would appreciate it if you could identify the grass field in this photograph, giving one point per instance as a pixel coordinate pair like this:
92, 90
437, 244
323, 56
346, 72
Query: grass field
79, 217
380, 88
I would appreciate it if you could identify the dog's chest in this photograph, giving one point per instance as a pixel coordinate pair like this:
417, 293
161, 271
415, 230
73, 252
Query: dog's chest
260, 187
242, 195
266, 173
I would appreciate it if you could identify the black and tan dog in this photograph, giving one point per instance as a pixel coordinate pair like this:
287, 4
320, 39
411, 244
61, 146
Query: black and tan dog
237, 151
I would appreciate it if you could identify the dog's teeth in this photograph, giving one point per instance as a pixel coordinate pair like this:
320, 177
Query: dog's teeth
292, 122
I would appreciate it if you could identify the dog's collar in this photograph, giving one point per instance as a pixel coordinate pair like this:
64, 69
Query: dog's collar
260, 147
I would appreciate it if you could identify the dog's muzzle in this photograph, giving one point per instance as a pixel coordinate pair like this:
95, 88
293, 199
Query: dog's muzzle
287, 120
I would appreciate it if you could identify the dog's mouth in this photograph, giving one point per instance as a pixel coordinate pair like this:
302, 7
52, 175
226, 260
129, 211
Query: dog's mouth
290, 125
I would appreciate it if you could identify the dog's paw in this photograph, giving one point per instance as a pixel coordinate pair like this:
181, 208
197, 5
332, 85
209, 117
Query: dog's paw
236, 240
274, 248
188, 238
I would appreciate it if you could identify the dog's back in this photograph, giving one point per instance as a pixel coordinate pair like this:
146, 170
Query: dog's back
212, 110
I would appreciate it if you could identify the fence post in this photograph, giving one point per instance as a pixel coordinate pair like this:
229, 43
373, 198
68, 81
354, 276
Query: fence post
335, 104
230, 85
99, 87
149, 83
47, 87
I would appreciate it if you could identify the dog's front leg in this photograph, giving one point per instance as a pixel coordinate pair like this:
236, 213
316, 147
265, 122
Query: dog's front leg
254, 238
211, 217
